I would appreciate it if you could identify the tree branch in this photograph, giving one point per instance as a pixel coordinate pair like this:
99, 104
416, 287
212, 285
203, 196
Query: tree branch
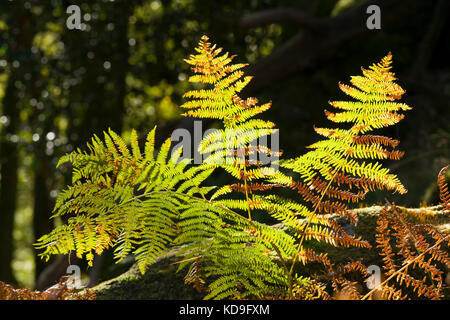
307, 48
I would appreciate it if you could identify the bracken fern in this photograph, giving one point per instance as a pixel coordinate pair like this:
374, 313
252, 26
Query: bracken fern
142, 204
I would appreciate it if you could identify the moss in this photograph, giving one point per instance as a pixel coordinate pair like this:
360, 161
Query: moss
161, 281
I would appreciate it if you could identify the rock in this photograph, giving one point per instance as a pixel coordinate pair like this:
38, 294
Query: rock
161, 281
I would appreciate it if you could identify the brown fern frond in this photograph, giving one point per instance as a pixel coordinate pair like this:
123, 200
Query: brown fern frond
308, 255
338, 193
309, 194
59, 291
348, 240
391, 293
238, 187
334, 234
362, 182
368, 139
412, 262
7, 292
343, 288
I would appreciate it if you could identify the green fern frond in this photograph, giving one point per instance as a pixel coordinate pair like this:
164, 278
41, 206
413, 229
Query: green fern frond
121, 197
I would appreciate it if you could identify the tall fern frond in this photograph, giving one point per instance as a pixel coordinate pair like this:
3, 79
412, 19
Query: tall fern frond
237, 149
329, 172
338, 170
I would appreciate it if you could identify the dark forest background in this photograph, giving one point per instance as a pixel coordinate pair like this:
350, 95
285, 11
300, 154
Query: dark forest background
58, 87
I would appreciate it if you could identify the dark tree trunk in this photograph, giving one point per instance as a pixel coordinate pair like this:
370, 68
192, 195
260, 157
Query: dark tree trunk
8, 184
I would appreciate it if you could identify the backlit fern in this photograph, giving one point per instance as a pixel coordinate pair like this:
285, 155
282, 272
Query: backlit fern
235, 147
332, 163
332, 174
239, 255
142, 204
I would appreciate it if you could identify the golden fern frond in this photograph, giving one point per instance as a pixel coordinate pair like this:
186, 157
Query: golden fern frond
376, 91
233, 148
230, 147
339, 170
227, 80
335, 162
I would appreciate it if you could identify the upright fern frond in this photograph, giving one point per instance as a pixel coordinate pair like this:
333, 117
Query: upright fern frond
235, 147
332, 173
338, 155
240, 250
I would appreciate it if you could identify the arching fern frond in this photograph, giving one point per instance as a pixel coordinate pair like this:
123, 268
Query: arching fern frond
124, 198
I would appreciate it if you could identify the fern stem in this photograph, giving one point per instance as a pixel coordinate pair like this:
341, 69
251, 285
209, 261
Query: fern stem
246, 193
288, 273
351, 134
